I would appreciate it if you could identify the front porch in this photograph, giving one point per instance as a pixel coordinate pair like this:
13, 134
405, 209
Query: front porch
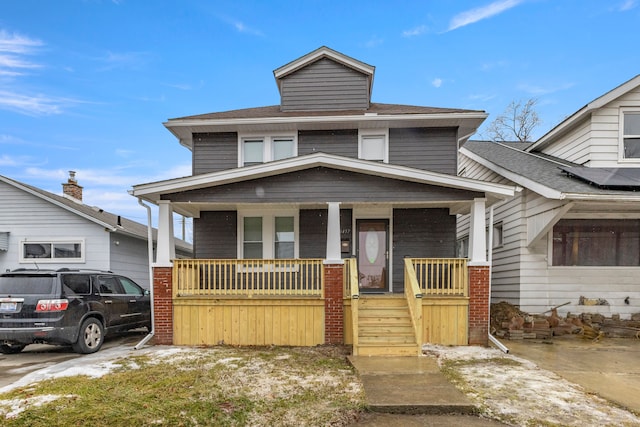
307, 302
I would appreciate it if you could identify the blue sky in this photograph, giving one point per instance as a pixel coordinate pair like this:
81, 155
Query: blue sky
85, 85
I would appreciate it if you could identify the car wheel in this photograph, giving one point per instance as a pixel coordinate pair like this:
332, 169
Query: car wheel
90, 338
11, 348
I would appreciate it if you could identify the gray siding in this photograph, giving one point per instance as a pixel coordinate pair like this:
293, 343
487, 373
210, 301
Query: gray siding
433, 149
214, 152
321, 185
313, 231
215, 235
130, 257
421, 233
338, 142
325, 85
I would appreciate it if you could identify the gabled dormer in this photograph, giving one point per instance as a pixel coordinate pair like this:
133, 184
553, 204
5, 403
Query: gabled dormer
324, 80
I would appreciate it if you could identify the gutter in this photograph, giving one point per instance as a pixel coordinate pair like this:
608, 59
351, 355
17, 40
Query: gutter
150, 251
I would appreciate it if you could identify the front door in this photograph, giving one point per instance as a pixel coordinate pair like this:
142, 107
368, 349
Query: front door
372, 252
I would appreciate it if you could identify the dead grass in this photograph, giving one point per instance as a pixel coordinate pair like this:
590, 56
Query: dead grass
219, 386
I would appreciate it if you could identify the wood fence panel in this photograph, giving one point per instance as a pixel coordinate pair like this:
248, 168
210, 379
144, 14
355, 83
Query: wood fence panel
445, 321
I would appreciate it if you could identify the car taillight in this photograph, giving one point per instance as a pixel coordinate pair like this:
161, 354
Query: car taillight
52, 305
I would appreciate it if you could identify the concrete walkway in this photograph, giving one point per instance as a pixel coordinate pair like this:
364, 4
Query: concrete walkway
411, 391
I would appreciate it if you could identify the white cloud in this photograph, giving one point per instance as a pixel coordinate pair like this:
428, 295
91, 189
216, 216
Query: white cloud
374, 41
628, 5
415, 31
478, 14
132, 60
32, 105
17, 44
542, 90
437, 82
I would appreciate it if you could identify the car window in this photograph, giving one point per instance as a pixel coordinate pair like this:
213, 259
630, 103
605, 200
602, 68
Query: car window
109, 285
76, 284
130, 287
23, 284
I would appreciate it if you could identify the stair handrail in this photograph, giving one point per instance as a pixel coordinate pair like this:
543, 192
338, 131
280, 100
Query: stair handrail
413, 294
354, 290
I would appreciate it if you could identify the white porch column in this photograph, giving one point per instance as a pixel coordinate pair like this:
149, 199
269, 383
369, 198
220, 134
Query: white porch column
166, 248
333, 234
477, 234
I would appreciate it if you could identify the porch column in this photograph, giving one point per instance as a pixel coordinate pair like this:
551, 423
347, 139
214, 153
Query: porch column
477, 234
479, 276
333, 280
333, 234
166, 249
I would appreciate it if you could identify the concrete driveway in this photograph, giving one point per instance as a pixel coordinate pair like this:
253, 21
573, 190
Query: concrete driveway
38, 356
609, 368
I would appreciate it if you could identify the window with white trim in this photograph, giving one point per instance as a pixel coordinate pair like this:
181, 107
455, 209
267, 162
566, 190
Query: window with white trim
52, 251
272, 235
373, 145
630, 138
254, 150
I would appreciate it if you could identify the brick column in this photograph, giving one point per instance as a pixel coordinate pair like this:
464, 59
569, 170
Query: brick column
163, 305
478, 305
333, 304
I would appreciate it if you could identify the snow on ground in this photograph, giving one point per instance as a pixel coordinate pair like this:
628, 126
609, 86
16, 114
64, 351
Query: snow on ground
518, 392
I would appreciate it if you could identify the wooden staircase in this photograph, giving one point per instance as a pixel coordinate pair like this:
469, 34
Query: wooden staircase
384, 327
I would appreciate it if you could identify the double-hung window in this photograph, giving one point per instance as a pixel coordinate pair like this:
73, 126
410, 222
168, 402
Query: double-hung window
373, 145
630, 135
268, 235
259, 149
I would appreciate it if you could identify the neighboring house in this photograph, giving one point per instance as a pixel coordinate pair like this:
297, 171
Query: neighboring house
572, 235
323, 197
42, 230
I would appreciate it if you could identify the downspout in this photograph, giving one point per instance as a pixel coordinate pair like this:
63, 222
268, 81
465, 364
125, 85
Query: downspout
150, 250
493, 339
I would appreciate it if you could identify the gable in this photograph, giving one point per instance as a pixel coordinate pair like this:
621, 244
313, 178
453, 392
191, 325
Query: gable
324, 85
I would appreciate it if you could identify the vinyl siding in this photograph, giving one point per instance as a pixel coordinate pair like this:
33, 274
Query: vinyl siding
26, 216
433, 149
214, 152
337, 142
129, 257
215, 235
313, 231
324, 85
420, 233
321, 185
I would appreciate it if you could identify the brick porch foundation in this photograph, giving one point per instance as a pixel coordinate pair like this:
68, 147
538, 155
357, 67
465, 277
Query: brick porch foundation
333, 305
478, 305
163, 305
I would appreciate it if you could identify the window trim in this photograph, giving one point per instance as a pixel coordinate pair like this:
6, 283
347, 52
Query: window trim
365, 133
267, 145
268, 230
622, 136
53, 242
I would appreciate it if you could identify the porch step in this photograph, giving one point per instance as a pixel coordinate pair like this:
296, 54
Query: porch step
384, 327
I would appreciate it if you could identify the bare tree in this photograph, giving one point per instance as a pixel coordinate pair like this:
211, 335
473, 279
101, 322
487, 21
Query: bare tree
516, 123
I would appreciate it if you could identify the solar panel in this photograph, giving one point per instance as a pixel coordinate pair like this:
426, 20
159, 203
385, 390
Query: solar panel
620, 178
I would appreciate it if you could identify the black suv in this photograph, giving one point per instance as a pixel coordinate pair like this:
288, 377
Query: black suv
65, 306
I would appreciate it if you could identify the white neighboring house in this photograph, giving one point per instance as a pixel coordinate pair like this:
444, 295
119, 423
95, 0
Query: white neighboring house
39, 229
572, 235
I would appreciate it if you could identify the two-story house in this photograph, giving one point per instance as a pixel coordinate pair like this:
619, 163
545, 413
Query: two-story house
573, 234
310, 214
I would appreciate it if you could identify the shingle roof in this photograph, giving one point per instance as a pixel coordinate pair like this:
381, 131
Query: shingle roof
118, 223
543, 169
274, 111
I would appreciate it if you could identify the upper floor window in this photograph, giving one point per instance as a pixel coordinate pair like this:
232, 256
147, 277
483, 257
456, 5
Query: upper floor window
52, 251
373, 145
254, 150
630, 134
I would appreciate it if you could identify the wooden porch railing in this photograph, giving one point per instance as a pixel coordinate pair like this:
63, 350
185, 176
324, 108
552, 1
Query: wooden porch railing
248, 277
441, 276
413, 295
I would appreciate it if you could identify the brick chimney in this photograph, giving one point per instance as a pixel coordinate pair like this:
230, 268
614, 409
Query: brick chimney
71, 188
